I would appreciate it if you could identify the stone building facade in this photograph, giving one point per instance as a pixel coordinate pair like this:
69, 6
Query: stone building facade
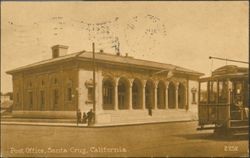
125, 88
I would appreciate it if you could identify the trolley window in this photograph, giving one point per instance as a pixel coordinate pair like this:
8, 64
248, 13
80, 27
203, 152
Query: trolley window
213, 91
203, 92
238, 88
238, 98
223, 91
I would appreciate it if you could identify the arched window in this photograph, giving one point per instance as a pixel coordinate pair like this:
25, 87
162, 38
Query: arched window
149, 96
181, 96
108, 94
123, 92
171, 95
161, 95
136, 94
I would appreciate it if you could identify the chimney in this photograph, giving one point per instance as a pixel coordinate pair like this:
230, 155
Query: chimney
59, 50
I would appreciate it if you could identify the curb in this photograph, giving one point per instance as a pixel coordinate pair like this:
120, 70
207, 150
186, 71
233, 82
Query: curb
43, 124
93, 126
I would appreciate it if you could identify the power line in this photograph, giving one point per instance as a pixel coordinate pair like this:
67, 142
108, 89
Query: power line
225, 59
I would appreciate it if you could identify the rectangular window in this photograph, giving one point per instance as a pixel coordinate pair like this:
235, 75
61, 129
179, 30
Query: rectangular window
17, 97
55, 53
193, 98
90, 94
42, 98
56, 96
30, 99
69, 91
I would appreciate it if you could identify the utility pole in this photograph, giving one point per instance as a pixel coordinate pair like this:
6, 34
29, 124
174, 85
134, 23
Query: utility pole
94, 85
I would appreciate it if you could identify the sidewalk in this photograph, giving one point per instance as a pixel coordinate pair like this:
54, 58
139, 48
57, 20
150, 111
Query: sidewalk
72, 122
40, 122
43, 124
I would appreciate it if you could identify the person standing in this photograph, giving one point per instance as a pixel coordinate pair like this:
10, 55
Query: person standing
90, 116
150, 110
84, 118
78, 117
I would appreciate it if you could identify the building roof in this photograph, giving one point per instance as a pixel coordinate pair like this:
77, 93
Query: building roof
102, 57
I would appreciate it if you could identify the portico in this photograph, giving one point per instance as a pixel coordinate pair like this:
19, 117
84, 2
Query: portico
121, 93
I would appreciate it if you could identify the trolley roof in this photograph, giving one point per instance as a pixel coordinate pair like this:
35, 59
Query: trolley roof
228, 72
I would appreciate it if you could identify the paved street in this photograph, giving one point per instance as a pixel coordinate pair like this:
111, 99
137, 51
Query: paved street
165, 139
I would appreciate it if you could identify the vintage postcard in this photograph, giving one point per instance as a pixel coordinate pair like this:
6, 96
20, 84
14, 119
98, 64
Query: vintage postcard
124, 79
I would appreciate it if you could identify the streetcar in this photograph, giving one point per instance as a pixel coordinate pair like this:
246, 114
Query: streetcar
224, 100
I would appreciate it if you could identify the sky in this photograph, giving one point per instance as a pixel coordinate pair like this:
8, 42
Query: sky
179, 33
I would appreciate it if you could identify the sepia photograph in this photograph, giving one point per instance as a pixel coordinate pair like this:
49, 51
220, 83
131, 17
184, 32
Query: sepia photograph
124, 79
